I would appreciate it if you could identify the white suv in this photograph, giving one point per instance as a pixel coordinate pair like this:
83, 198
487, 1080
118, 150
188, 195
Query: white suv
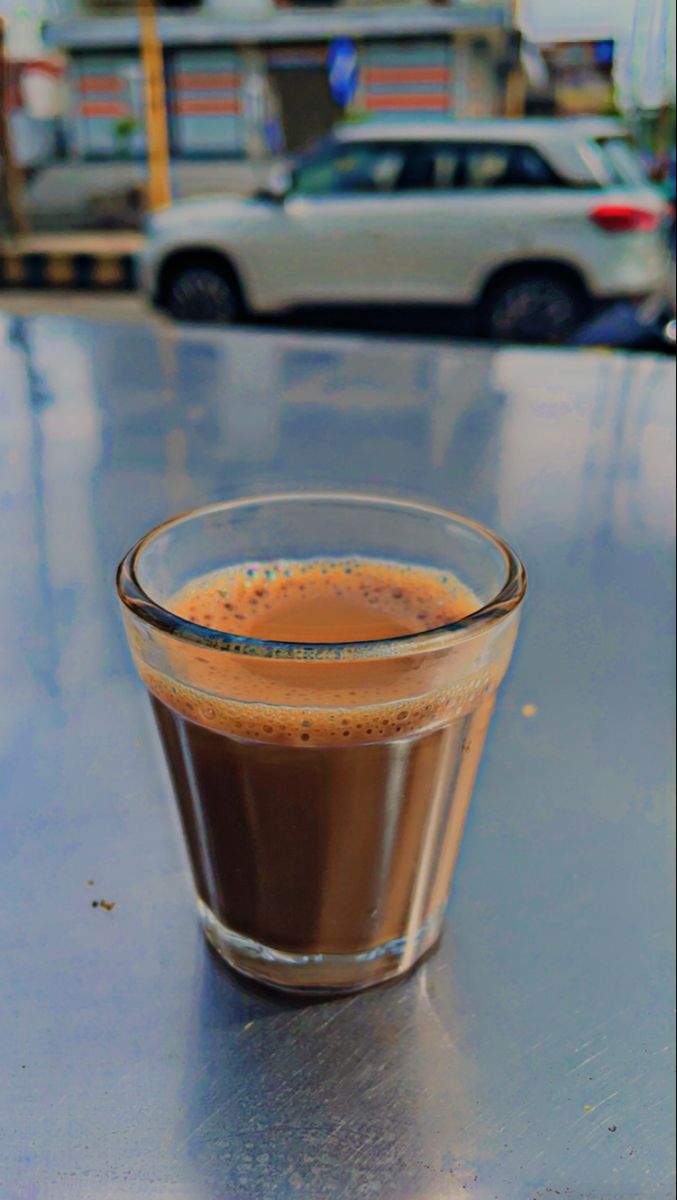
530, 222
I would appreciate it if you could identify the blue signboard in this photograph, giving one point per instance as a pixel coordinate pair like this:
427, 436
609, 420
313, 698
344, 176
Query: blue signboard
343, 69
604, 53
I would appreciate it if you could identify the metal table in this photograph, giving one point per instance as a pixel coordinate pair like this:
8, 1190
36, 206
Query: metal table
531, 1057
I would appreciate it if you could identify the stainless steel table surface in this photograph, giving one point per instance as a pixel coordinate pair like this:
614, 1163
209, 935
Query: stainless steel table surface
532, 1056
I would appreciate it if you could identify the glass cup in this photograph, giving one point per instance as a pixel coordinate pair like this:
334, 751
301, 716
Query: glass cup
322, 787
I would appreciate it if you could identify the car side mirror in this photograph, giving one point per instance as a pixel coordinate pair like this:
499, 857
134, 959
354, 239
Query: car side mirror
279, 185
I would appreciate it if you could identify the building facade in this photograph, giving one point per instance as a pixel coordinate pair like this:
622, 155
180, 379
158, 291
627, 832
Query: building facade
251, 86
247, 82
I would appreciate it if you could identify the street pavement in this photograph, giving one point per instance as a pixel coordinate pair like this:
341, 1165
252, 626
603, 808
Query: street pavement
99, 306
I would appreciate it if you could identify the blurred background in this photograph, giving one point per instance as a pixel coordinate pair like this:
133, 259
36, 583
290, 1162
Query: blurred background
536, 142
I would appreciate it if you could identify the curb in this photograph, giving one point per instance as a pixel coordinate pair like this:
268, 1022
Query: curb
60, 269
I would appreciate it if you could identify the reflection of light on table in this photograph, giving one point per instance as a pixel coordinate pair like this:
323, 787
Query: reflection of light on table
574, 459
247, 409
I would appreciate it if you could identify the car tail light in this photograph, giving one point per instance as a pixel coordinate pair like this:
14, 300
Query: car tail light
625, 218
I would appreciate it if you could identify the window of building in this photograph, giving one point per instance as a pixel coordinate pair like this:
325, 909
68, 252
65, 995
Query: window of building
107, 106
407, 76
206, 103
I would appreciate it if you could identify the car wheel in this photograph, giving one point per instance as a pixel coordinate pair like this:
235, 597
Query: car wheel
202, 293
534, 307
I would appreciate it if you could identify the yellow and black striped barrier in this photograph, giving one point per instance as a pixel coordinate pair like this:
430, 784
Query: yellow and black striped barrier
69, 261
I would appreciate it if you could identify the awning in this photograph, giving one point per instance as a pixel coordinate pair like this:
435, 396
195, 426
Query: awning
193, 29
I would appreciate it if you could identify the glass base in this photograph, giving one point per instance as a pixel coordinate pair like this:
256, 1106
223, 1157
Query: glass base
319, 973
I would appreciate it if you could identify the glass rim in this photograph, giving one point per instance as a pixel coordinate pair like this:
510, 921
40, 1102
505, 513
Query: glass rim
142, 605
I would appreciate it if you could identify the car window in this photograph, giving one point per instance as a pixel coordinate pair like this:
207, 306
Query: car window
485, 166
431, 166
622, 165
507, 166
529, 169
361, 167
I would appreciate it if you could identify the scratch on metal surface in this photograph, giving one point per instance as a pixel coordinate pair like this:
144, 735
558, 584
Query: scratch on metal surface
201, 1124
611, 1096
586, 1062
657, 1103
533, 1158
341, 1008
591, 1108
541, 1041
286, 1021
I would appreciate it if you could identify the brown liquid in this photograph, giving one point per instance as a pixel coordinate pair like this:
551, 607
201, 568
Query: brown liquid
329, 821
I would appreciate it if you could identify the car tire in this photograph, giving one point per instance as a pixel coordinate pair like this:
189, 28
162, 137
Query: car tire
202, 293
533, 306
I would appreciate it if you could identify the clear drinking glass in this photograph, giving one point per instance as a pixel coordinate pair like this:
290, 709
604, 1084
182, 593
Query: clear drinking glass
322, 787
